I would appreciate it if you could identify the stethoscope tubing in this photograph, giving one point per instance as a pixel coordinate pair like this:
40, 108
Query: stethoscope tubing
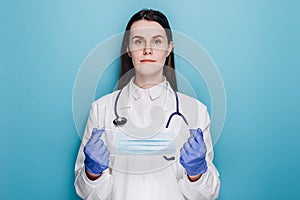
122, 120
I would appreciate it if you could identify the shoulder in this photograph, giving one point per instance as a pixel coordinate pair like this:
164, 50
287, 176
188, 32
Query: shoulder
188, 100
109, 99
106, 100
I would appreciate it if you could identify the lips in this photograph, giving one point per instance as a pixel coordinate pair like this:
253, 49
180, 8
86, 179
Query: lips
147, 60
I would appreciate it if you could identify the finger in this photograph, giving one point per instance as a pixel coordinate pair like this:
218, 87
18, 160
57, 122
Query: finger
106, 156
96, 134
185, 156
193, 132
187, 147
193, 143
198, 135
98, 144
182, 154
102, 150
183, 151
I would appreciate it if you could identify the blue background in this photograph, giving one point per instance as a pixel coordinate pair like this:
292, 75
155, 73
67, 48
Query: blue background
255, 45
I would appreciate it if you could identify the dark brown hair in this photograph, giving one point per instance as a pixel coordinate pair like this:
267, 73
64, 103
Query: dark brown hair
126, 62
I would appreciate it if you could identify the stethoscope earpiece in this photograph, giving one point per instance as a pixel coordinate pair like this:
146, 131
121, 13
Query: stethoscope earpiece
120, 121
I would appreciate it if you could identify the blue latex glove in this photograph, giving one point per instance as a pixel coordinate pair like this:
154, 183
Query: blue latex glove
192, 154
96, 153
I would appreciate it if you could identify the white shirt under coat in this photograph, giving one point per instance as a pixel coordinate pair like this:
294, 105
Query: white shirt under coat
169, 183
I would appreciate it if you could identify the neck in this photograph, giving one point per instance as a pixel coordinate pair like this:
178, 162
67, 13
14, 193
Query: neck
146, 82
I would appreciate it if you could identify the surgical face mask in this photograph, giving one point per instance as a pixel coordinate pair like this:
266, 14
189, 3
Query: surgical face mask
157, 144
144, 151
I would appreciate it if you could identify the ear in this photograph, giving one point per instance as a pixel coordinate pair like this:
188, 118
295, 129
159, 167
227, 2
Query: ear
170, 47
128, 52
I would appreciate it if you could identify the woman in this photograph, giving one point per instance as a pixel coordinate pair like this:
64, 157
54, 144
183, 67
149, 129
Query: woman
147, 79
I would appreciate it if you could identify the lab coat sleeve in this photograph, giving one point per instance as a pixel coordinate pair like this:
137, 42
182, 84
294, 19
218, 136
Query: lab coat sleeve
208, 186
101, 188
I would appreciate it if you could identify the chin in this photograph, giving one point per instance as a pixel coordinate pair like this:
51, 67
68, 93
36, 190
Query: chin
149, 69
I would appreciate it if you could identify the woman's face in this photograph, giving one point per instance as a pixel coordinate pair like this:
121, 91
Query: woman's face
148, 47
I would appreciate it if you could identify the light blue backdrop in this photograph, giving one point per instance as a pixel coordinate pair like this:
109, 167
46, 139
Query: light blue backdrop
255, 45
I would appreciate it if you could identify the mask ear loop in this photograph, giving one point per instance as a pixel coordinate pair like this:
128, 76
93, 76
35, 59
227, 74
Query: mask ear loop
177, 112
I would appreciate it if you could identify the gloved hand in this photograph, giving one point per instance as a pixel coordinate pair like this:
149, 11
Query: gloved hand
96, 153
192, 154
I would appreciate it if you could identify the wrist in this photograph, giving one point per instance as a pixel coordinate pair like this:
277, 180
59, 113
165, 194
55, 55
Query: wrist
92, 176
194, 178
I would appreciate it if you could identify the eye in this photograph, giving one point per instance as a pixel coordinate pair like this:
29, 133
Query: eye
157, 41
138, 42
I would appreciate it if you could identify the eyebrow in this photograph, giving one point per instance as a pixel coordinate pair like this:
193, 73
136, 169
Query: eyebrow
137, 36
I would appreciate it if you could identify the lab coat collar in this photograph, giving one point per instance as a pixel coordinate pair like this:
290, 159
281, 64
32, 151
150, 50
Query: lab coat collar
157, 90
154, 92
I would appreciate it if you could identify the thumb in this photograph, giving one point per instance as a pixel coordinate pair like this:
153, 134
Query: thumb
96, 134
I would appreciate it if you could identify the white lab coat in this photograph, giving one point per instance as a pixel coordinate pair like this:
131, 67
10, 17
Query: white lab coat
168, 183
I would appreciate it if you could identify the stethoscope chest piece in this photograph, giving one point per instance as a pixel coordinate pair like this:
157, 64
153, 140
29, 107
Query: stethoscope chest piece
119, 121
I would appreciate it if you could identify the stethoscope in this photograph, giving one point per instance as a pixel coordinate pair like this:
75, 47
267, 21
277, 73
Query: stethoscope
119, 121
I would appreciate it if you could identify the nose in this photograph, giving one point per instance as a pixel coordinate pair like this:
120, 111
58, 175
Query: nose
147, 50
